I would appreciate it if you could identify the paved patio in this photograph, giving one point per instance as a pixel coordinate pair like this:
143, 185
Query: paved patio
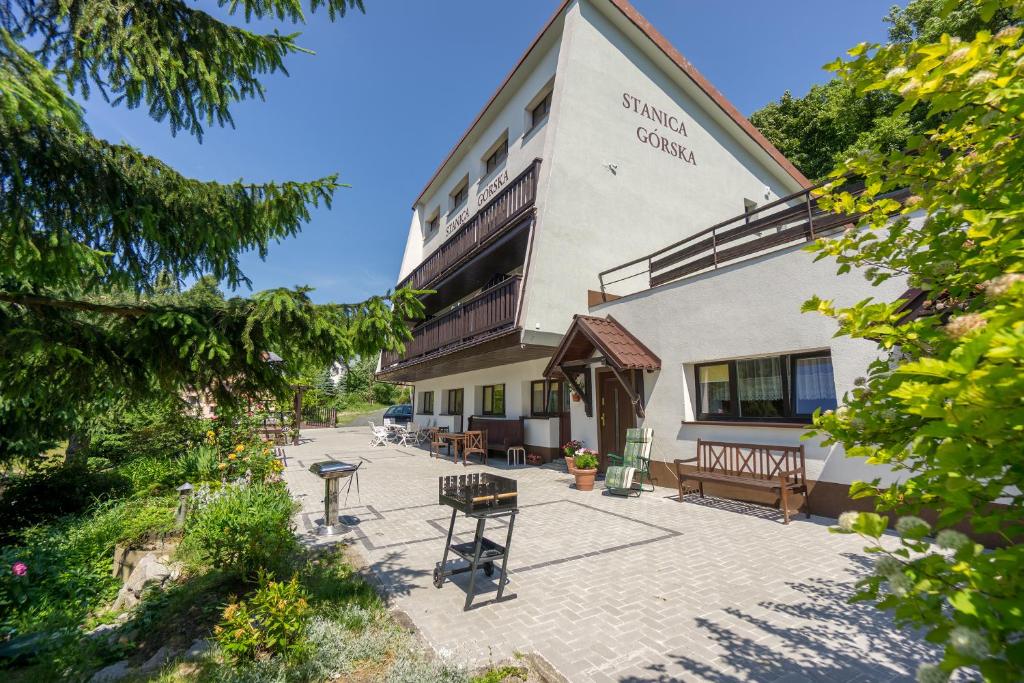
610, 589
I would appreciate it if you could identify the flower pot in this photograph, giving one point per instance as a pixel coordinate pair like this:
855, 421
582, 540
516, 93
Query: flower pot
569, 466
585, 479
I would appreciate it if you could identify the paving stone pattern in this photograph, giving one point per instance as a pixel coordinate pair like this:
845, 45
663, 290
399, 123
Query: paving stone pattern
613, 589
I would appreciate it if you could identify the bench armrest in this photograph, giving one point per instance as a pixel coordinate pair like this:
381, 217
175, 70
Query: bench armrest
681, 461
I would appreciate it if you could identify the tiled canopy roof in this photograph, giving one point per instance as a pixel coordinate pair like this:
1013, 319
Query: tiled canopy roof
608, 338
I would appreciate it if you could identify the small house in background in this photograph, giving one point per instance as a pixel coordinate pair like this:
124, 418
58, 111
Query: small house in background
612, 244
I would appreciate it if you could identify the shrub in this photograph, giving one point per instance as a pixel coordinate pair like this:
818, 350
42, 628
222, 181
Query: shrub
585, 459
271, 623
246, 528
67, 563
200, 463
44, 496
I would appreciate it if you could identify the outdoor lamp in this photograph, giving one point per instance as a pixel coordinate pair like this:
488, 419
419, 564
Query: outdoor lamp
184, 491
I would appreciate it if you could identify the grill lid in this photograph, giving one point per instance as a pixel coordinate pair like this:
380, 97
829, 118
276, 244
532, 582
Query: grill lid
333, 468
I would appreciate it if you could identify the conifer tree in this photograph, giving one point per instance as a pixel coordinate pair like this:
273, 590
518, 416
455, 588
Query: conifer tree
92, 233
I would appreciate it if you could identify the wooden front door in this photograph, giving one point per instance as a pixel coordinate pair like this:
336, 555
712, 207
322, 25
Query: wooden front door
614, 416
564, 421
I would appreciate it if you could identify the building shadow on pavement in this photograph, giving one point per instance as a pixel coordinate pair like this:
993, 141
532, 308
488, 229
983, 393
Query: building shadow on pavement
817, 637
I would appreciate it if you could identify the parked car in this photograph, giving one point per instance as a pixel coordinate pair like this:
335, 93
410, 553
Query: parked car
399, 414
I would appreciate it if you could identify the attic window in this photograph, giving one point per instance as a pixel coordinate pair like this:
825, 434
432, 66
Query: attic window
460, 194
539, 111
497, 156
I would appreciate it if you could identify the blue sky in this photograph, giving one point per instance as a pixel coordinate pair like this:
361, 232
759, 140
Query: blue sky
388, 93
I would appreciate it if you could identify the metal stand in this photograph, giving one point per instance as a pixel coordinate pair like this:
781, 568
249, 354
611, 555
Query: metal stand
333, 472
481, 553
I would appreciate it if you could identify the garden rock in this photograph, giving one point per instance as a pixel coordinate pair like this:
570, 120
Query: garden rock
114, 672
159, 658
197, 650
149, 571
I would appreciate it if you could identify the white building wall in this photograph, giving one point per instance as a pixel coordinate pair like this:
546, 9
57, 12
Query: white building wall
593, 216
515, 376
749, 309
524, 145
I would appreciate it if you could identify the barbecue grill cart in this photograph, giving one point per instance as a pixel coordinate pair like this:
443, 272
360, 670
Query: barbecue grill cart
482, 496
332, 472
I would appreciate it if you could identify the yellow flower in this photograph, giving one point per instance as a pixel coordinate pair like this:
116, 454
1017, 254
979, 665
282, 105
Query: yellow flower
222, 466
232, 457
239, 448
210, 433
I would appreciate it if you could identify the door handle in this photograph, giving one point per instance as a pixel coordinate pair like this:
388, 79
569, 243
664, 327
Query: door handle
602, 420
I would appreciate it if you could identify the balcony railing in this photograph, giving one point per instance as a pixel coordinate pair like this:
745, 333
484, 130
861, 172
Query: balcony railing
784, 222
487, 312
514, 200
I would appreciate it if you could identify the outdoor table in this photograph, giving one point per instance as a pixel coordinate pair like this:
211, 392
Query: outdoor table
456, 440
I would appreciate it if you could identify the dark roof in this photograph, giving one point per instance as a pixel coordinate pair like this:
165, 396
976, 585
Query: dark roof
608, 338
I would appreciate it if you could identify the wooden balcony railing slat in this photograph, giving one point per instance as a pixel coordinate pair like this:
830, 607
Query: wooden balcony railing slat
489, 311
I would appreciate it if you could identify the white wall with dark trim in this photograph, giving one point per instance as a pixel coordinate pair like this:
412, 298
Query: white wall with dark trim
745, 310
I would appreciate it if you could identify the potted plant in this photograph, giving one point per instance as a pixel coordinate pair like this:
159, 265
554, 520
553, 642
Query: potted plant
585, 469
570, 449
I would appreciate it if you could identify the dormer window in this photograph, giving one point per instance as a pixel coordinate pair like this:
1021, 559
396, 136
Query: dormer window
460, 194
497, 156
539, 111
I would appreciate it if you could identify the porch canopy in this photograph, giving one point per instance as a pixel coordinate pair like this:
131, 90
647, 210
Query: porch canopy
591, 341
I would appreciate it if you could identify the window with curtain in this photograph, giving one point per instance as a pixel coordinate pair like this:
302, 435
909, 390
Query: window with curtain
786, 388
494, 399
813, 386
427, 403
759, 387
715, 391
537, 395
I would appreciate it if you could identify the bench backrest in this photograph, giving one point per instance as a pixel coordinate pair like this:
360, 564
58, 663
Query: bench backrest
501, 432
759, 461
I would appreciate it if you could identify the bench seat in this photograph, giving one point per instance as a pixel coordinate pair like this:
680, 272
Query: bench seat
754, 466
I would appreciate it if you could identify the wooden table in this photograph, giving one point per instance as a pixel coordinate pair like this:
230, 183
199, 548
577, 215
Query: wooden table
456, 440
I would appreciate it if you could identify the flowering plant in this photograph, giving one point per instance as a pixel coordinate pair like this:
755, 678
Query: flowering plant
571, 447
586, 459
942, 406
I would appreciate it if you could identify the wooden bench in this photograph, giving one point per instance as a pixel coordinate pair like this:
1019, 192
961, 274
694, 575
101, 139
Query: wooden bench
754, 466
501, 432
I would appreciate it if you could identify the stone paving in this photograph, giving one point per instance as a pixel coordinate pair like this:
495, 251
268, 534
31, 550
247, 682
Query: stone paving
612, 589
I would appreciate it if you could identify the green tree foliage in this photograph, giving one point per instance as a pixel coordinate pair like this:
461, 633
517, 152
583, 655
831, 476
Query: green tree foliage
833, 121
944, 407
95, 237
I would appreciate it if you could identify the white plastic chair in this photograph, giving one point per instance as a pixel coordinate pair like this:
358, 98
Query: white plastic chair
401, 435
379, 435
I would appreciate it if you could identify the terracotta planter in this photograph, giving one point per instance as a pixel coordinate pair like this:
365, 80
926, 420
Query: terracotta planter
585, 479
569, 466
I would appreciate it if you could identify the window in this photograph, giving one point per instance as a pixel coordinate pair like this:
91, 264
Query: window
539, 113
547, 398
433, 224
460, 194
497, 157
768, 389
427, 403
454, 406
494, 399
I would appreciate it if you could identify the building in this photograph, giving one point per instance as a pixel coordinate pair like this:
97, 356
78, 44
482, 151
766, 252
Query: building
605, 146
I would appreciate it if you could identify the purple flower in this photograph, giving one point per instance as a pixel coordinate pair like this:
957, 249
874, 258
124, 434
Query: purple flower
19, 568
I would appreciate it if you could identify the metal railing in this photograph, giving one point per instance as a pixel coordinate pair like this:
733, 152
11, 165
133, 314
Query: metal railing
789, 220
513, 201
487, 312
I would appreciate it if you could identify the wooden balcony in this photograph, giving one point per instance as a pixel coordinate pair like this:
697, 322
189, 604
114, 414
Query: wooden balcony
491, 221
490, 311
